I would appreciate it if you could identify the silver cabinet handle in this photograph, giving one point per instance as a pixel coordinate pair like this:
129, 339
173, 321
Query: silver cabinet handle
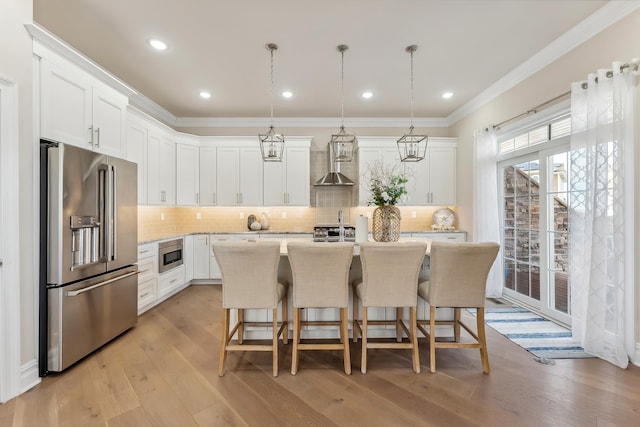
91, 135
163, 196
1, 262
97, 131
197, 198
98, 285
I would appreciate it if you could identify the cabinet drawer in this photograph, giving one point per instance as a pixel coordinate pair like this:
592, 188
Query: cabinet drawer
148, 269
170, 280
147, 250
146, 292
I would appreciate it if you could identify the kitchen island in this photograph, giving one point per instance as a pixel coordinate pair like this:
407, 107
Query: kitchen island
333, 314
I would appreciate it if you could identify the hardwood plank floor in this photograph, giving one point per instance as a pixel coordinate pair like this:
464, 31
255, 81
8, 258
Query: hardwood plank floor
163, 372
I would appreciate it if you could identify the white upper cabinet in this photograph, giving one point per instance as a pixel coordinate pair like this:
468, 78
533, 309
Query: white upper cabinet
208, 190
78, 109
137, 152
432, 181
239, 175
187, 175
160, 168
288, 182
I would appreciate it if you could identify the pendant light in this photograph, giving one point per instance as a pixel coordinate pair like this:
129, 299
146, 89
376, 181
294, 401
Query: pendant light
342, 143
271, 143
412, 147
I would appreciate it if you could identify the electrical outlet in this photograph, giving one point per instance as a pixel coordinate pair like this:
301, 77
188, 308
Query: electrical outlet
198, 215
241, 215
284, 215
413, 214
161, 216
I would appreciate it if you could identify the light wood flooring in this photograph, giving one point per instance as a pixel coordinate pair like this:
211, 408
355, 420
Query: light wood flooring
163, 372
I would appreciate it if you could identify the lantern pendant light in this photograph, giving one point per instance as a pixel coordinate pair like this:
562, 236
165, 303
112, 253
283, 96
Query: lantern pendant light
342, 143
271, 143
412, 147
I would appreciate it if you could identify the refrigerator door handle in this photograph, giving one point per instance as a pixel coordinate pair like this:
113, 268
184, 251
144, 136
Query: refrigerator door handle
103, 212
98, 285
112, 197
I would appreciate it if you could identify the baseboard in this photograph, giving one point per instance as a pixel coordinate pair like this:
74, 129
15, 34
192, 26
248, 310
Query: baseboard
29, 376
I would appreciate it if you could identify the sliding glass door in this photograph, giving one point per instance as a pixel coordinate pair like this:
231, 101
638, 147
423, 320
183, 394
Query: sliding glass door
534, 220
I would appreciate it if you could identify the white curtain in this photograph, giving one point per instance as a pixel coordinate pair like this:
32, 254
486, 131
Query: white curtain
601, 214
486, 223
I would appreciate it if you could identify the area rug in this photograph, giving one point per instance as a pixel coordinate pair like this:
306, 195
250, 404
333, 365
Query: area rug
541, 337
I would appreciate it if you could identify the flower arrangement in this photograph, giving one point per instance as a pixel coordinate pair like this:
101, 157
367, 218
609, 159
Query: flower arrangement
386, 186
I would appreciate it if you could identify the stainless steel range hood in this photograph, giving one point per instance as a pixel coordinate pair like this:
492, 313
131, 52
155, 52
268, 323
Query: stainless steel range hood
334, 176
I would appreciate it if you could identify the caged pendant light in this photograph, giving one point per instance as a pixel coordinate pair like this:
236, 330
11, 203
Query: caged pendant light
271, 143
342, 143
412, 147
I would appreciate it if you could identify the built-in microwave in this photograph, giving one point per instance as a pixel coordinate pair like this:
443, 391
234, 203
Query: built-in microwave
169, 254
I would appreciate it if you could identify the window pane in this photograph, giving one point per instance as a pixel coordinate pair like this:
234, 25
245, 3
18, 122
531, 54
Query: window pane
539, 135
561, 128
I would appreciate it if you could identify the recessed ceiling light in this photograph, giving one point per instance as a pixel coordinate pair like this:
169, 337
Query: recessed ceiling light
447, 95
158, 44
287, 94
205, 95
368, 94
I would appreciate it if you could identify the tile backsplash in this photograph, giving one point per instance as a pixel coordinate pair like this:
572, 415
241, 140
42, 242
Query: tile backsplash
158, 222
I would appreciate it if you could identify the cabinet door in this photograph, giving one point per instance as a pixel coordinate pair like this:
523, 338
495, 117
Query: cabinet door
227, 165
137, 152
418, 186
297, 177
442, 175
250, 179
167, 171
366, 156
187, 175
154, 191
201, 256
214, 269
189, 258
65, 99
109, 118
208, 176
275, 182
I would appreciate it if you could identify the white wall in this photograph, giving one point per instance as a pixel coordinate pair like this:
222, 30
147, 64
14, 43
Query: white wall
16, 65
617, 43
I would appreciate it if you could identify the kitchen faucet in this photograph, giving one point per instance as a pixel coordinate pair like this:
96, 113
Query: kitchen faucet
341, 224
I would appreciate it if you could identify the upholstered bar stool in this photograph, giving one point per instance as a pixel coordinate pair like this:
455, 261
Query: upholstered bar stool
389, 279
249, 281
320, 280
458, 279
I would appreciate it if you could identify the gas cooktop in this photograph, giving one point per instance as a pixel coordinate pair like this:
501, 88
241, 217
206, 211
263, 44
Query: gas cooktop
331, 233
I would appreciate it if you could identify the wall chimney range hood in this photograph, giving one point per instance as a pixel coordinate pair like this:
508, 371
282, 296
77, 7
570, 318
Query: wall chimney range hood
334, 176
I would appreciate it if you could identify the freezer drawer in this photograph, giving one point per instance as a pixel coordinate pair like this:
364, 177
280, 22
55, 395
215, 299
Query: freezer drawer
86, 315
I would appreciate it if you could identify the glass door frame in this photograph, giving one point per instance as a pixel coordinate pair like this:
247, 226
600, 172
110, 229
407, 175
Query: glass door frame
541, 154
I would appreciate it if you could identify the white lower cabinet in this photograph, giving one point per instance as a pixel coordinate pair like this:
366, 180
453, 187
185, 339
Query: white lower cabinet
201, 256
147, 279
170, 281
214, 269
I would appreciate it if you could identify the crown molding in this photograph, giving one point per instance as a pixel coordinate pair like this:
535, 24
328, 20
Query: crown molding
598, 21
153, 109
56, 45
306, 122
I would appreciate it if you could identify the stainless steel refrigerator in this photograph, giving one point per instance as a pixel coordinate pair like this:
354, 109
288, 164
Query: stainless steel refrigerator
88, 250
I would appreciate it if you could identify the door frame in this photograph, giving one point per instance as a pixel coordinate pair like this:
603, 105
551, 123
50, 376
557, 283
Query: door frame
10, 370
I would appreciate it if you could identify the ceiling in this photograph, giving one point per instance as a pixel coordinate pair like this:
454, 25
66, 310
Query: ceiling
219, 46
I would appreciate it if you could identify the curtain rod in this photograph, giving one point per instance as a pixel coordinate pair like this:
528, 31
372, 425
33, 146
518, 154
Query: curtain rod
633, 65
532, 110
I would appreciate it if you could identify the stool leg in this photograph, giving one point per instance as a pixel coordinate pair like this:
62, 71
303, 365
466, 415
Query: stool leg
456, 324
223, 342
296, 340
354, 326
398, 327
432, 338
241, 327
344, 333
414, 339
285, 319
482, 338
274, 326
363, 363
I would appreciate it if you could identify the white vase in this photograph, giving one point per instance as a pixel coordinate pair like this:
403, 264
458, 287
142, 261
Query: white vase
264, 221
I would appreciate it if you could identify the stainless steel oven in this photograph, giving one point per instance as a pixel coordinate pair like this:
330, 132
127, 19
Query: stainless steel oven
170, 254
